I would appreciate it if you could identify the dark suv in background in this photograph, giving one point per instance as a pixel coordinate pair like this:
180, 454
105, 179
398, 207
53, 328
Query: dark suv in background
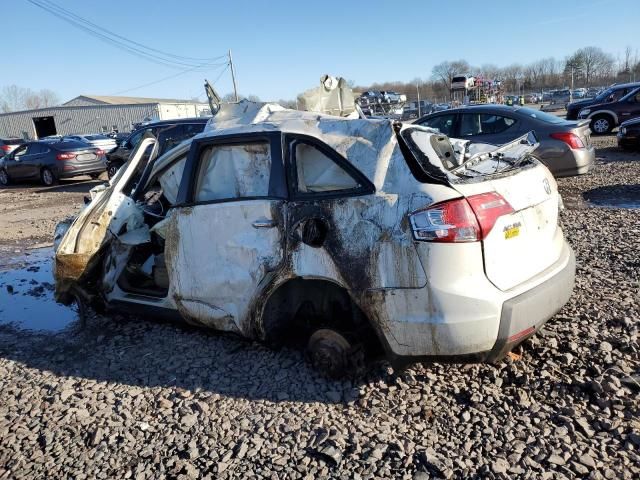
168, 132
608, 95
605, 116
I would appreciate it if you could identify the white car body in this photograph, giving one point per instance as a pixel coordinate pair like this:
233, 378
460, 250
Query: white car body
230, 259
99, 141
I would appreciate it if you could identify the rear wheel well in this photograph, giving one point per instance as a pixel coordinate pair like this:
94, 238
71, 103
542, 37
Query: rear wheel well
300, 306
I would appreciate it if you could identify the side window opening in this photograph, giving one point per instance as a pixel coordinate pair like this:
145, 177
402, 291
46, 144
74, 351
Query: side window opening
317, 173
443, 123
234, 171
484, 124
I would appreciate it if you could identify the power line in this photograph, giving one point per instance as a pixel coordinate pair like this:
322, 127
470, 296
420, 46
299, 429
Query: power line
109, 32
103, 35
168, 78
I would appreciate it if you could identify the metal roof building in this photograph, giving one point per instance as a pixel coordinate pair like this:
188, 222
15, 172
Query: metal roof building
95, 114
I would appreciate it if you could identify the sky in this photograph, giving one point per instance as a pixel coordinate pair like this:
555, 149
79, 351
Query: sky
281, 48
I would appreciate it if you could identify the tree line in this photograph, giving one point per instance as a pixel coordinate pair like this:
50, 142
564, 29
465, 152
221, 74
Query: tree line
589, 67
14, 98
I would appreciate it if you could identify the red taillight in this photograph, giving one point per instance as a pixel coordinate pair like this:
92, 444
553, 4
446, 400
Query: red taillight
461, 220
65, 156
5, 147
488, 207
569, 138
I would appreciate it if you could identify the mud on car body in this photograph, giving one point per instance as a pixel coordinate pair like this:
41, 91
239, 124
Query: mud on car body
284, 225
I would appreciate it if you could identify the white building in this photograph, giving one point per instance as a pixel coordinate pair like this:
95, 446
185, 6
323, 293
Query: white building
95, 114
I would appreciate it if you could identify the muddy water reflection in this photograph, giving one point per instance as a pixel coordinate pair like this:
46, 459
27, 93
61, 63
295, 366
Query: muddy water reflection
26, 293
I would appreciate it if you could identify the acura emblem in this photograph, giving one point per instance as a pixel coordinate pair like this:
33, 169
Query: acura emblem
547, 187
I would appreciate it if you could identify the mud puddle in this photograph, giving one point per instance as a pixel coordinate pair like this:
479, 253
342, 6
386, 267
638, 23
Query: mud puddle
26, 293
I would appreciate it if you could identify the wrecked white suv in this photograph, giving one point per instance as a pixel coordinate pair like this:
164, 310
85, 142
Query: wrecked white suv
285, 225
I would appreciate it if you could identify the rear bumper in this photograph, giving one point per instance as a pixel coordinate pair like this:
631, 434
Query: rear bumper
75, 169
524, 315
575, 162
473, 322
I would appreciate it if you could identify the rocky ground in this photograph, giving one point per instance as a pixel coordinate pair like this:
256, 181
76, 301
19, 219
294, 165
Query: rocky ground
139, 398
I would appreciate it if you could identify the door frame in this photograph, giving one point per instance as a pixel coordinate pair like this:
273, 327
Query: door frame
278, 189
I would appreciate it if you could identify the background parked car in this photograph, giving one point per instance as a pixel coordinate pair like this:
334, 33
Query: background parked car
561, 97
606, 116
50, 161
629, 134
611, 94
579, 93
532, 98
565, 147
593, 92
169, 133
96, 140
8, 145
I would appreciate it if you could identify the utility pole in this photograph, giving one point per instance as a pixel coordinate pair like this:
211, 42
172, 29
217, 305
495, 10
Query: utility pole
418, 92
571, 91
233, 76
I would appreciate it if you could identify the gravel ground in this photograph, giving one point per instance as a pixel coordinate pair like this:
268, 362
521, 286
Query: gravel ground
127, 398
29, 213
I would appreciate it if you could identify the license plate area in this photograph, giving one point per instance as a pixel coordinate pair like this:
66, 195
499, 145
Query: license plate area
86, 157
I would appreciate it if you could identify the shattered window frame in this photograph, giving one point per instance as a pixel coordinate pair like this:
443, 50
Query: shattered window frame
277, 182
365, 186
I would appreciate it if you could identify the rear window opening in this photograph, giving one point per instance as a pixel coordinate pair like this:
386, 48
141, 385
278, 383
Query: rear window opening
447, 161
543, 116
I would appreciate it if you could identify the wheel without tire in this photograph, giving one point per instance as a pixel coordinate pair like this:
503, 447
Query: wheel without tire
328, 352
601, 124
47, 177
4, 178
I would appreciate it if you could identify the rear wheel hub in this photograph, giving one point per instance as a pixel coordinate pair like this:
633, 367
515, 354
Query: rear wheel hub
328, 352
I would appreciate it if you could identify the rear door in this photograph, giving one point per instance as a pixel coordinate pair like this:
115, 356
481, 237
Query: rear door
227, 233
34, 160
19, 167
339, 228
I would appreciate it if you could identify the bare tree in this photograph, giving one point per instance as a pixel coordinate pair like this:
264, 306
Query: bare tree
14, 98
445, 71
11, 98
512, 76
594, 63
49, 98
230, 98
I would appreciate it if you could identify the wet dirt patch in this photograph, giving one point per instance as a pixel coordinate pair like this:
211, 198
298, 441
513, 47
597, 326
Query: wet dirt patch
614, 196
26, 294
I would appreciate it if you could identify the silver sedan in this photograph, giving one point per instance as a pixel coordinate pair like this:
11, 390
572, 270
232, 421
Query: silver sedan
565, 146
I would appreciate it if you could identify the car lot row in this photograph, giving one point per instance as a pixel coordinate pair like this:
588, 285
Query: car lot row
58, 157
565, 146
